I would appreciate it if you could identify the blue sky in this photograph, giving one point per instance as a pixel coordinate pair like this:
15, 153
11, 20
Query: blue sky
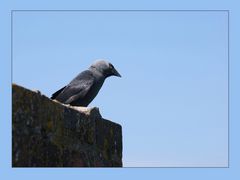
172, 98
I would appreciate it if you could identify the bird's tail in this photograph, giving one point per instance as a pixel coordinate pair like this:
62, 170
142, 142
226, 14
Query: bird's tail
54, 95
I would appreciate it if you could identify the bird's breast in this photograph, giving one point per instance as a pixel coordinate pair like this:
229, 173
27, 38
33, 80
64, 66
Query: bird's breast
94, 91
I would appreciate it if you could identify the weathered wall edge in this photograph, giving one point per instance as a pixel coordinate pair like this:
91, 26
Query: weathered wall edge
50, 134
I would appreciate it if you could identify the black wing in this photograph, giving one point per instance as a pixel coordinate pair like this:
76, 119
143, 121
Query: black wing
76, 89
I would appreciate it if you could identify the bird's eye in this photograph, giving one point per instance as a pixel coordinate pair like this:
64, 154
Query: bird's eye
111, 66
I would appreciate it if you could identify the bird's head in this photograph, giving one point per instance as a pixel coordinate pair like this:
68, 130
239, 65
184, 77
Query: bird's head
105, 68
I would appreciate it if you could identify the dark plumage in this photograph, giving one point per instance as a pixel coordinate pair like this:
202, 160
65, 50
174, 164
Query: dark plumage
84, 88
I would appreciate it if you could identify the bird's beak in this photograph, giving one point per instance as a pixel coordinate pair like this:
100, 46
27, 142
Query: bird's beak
116, 73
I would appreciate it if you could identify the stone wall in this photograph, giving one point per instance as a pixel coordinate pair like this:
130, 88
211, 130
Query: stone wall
46, 133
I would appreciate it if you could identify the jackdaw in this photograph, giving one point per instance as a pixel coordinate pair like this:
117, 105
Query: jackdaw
84, 88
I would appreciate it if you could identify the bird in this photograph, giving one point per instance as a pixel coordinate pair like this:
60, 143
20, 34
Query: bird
86, 85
